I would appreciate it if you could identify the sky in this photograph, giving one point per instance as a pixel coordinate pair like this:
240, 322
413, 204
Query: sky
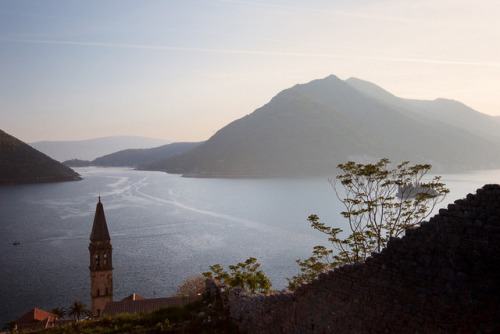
182, 69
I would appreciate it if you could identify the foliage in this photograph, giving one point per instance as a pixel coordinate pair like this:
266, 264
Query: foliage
310, 268
59, 311
379, 203
191, 287
191, 318
244, 275
10, 325
79, 309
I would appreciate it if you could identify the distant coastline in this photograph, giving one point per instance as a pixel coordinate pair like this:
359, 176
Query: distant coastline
33, 180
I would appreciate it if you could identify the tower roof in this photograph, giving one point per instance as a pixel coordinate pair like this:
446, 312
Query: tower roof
100, 228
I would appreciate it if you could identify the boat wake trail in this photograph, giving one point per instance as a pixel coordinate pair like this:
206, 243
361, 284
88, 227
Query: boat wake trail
233, 219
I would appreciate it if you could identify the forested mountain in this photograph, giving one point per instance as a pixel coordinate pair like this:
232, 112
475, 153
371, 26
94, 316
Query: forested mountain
20, 163
310, 128
138, 157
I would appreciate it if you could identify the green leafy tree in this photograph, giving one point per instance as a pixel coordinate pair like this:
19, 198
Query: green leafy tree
245, 275
379, 203
59, 311
79, 309
310, 268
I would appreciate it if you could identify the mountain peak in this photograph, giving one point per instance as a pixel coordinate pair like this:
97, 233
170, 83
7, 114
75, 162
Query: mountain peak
370, 89
310, 128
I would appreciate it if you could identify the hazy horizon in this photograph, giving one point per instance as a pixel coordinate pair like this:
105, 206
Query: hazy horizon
180, 71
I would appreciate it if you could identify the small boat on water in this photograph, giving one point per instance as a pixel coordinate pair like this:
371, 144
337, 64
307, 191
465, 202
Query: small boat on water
15, 243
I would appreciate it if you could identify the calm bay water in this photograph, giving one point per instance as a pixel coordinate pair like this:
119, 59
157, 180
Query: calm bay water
164, 228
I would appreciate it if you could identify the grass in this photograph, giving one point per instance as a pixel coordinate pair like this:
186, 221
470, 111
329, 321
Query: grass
198, 317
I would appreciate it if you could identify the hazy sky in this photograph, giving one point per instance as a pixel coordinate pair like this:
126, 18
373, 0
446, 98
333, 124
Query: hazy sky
182, 69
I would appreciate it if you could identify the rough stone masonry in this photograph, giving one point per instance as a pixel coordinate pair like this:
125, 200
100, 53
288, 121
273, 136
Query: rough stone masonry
443, 277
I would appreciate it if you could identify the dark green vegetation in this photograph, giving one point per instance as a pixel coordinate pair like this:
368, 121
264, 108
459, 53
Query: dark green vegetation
244, 274
307, 129
202, 316
146, 159
380, 203
78, 310
20, 163
59, 311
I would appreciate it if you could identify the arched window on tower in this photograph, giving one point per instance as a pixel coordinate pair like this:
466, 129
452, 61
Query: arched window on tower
105, 259
96, 261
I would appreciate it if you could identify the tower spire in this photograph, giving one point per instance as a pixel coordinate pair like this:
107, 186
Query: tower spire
101, 265
100, 227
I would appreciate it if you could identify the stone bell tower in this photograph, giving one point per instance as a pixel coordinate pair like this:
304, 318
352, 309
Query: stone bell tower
101, 265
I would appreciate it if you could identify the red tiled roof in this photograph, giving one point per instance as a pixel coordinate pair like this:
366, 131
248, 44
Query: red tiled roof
146, 305
35, 319
35, 315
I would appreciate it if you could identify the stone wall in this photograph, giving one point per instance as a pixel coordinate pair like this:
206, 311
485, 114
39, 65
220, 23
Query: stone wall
443, 277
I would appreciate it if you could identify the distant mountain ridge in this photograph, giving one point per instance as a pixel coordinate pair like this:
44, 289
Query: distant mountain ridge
135, 157
20, 163
93, 148
310, 128
140, 157
442, 110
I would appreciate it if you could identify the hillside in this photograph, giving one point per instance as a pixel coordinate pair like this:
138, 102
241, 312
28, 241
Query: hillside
440, 110
310, 128
93, 148
138, 157
20, 163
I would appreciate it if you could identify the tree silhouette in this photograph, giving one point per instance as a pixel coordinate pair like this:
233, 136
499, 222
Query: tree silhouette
380, 202
79, 309
10, 326
59, 311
